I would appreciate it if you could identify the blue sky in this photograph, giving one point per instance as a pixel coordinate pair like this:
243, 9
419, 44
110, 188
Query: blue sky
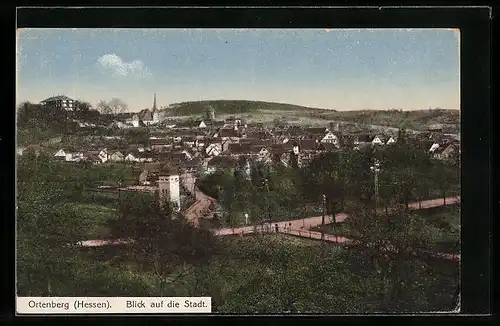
334, 69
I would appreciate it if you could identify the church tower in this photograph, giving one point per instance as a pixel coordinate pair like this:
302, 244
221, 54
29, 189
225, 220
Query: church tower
168, 188
156, 114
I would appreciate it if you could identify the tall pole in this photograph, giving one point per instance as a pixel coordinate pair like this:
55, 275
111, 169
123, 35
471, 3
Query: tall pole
323, 216
323, 204
376, 169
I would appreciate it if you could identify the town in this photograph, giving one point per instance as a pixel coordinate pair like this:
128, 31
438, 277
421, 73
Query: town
266, 171
188, 164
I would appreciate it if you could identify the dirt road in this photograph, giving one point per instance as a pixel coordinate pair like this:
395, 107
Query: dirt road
312, 222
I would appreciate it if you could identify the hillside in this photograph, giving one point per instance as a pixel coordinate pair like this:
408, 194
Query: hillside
268, 111
232, 107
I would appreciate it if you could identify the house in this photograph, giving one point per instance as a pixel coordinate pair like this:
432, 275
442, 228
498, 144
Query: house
377, 140
280, 153
219, 162
149, 175
213, 149
264, 155
116, 156
306, 145
364, 140
191, 124
93, 157
103, 155
137, 147
131, 157
60, 154
434, 147
446, 152
390, 141
144, 157
234, 122
330, 138
160, 144
74, 156
189, 141
60, 102
435, 128
226, 133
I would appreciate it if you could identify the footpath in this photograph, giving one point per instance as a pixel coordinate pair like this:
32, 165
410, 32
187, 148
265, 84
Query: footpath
297, 227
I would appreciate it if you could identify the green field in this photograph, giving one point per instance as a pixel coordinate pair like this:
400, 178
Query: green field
95, 216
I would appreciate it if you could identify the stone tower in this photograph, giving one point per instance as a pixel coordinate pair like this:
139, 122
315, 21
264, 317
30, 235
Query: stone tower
210, 112
168, 187
154, 103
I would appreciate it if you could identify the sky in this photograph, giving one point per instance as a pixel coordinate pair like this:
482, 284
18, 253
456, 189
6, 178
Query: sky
341, 69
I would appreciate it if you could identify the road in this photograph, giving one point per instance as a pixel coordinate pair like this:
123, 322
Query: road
300, 227
203, 204
312, 222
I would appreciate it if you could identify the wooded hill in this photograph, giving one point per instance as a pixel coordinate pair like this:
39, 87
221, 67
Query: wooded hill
415, 119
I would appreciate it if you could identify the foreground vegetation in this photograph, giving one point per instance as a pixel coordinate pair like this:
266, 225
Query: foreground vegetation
440, 225
260, 274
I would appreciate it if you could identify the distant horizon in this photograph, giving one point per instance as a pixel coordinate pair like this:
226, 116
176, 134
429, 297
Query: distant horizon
162, 107
342, 69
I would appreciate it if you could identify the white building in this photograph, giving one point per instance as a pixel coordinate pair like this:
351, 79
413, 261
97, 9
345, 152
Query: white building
168, 188
60, 101
330, 138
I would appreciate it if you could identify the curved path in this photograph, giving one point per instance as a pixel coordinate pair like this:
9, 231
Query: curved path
297, 227
312, 222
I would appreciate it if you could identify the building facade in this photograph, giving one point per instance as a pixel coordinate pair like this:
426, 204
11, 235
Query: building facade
60, 102
169, 189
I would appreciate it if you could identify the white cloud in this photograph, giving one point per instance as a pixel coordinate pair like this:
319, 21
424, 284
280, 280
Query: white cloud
115, 64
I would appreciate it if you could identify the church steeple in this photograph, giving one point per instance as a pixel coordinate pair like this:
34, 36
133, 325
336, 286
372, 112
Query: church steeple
154, 102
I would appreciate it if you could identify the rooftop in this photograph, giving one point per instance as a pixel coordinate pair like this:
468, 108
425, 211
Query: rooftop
57, 98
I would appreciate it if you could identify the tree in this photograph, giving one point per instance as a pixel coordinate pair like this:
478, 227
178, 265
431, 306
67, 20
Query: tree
47, 229
393, 245
442, 177
117, 106
104, 108
161, 238
82, 106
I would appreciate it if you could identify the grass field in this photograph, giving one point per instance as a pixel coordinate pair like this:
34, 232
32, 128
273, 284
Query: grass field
95, 217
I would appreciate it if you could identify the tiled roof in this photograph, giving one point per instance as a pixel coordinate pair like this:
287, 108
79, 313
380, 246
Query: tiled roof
223, 132
316, 131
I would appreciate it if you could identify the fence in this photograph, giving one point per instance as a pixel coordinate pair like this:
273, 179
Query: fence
267, 229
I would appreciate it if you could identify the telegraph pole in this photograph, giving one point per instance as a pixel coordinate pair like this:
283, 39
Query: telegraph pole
323, 204
376, 169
